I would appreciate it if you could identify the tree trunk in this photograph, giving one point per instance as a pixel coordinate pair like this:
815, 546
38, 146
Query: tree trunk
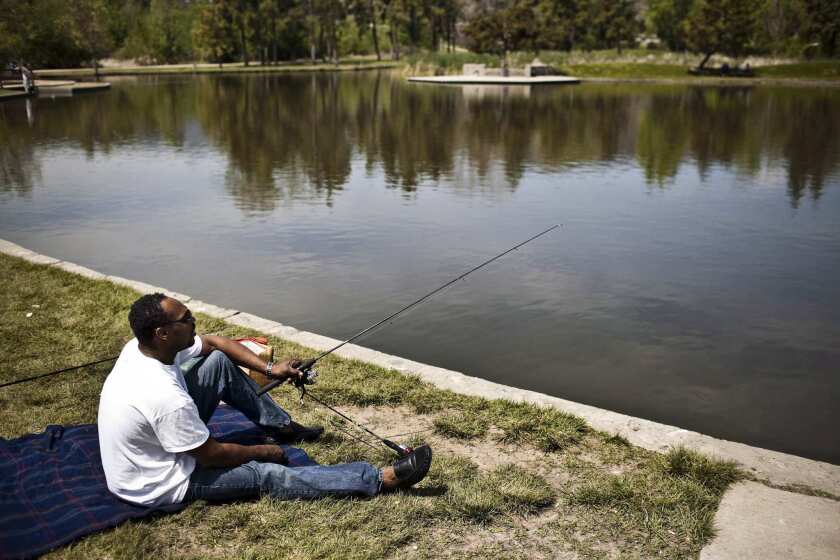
311, 27
412, 28
244, 43
705, 60
395, 45
448, 38
373, 29
273, 41
334, 39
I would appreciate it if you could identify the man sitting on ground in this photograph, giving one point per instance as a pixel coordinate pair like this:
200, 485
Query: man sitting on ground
153, 437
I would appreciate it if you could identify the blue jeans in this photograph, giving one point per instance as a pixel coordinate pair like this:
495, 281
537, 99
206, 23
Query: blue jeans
216, 378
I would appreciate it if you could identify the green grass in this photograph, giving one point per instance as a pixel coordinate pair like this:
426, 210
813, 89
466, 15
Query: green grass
578, 491
633, 64
629, 70
815, 70
460, 425
677, 495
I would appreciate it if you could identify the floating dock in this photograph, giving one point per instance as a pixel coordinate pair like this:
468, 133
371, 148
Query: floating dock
496, 80
55, 88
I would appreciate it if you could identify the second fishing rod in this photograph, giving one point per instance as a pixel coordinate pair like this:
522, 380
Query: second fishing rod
309, 374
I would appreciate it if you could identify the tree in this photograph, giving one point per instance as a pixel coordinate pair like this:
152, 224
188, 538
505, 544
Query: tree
823, 25
212, 32
620, 23
555, 24
502, 27
12, 26
168, 31
396, 14
724, 26
666, 19
90, 31
781, 27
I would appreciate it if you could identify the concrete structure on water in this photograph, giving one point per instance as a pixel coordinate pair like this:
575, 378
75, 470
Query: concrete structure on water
533, 74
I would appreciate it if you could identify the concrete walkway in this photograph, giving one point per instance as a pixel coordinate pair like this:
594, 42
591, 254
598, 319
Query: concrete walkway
64, 87
753, 521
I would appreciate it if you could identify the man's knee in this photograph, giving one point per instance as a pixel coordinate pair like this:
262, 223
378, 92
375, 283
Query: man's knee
274, 479
218, 359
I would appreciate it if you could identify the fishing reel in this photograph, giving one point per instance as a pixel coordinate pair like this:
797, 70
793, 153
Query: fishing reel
308, 378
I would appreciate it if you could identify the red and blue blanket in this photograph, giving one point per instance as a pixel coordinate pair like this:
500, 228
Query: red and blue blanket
52, 487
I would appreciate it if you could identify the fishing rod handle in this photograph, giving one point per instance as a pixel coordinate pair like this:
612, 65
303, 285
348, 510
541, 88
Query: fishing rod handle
400, 450
305, 368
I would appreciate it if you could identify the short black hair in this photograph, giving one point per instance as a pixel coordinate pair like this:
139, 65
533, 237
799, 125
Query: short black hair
146, 315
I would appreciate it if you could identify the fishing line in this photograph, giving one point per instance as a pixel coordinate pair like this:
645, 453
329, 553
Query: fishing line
352, 435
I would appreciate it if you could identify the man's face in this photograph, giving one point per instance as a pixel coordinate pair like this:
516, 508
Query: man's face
179, 332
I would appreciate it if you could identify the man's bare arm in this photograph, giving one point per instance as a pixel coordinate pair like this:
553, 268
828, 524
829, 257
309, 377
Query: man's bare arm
241, 356
214, 454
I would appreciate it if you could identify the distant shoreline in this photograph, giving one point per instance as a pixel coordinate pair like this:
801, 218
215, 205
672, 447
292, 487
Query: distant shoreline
203, 68
804, 74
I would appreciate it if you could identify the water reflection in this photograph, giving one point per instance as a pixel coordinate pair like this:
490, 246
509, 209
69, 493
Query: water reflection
20, 167
682, 288
293, 137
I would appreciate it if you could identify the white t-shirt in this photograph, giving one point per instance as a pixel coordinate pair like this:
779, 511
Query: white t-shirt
147, 420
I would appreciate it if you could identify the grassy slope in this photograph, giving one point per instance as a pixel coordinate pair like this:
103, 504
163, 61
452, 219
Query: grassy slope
634, 64
581, 491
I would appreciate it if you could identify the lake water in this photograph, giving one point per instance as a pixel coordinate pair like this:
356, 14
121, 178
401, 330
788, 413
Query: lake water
695, 280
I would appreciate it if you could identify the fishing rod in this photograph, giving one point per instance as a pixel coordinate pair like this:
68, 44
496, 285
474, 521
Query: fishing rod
309, 374
56, 372
306, 366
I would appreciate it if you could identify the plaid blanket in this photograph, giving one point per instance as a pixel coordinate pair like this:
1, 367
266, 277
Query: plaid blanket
52, 487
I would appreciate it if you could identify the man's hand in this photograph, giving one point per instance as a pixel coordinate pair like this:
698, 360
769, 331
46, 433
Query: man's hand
241, 356
215, 454
274, 454
288, 370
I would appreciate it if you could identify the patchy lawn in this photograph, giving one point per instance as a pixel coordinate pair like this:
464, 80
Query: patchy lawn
509, 480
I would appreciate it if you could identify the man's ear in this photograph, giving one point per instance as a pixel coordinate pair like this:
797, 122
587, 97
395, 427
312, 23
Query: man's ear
162, 333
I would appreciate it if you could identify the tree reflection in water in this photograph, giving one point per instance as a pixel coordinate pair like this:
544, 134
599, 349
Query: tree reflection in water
289, 137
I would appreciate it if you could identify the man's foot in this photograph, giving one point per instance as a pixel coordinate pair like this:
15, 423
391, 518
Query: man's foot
295, 433
408, 470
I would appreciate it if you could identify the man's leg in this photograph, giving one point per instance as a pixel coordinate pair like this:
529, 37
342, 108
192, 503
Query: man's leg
286, 483
216, 378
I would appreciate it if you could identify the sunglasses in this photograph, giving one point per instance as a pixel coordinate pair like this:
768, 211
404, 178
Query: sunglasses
187, 319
